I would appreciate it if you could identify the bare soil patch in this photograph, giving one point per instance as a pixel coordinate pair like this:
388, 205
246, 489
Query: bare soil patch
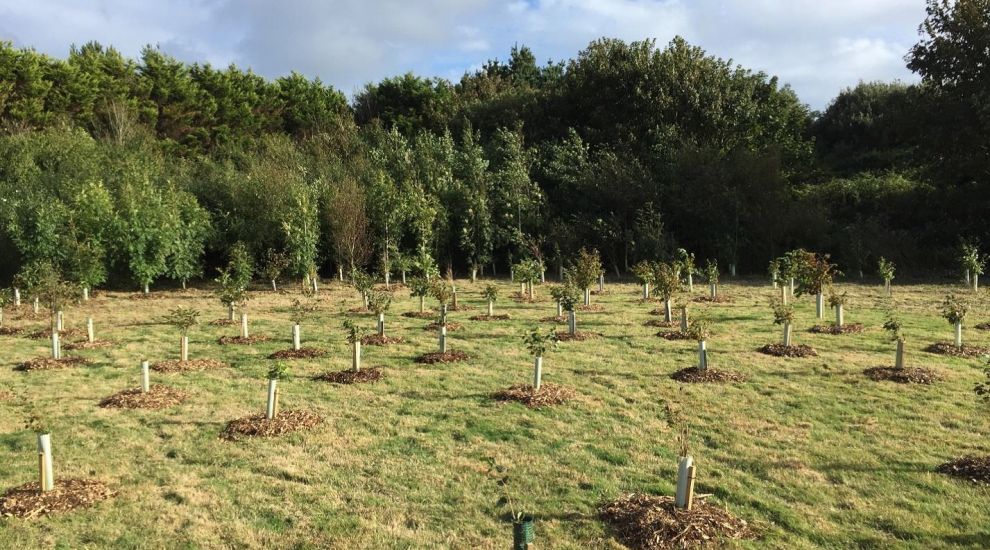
649, 522
258, 426
158, 397
27, 501
548, 395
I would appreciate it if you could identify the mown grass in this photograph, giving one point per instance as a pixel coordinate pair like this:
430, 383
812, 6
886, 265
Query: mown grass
810, 451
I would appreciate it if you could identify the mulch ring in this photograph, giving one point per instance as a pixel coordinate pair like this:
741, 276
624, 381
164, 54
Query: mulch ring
674, 335
578, 336
301, 353
258, 426
27, 501
449, 356
649, 522
359, 309
559, 319
175, 365
222, 322
420, 314
458, 307
379, 340
780, 350
46, 334
351, 376
9, 331
48, 363
601, 292
486, 317
904, 375
95, 344
695, 375
846, 328
661, 323
720, 299
451, 327
981, 326
973, 468
240, 340
593, 308
548, 395
948, 348
158, 397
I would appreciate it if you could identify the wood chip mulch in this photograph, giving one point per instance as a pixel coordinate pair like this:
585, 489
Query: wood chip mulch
661, 323
846, 328
46, 334
458, 307
593, 308
451, 327
450, 356
601, 292
674, 335
578, 336
648, 522
27, 501
377, 340
241, 341
420, 314
780, 350
359, 309
906, 375
47, 363
158, 397
95, 344
351, 376
9, 331
559, 319
949, 348
973, 468
301, 353
981, 326
549, 395
720, 299
223, 322
258, 426
175, 365
486, 317
695, 375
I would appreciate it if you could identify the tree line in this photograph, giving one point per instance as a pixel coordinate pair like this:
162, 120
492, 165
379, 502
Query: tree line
133, 171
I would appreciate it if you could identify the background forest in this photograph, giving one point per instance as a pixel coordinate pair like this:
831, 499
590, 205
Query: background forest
134, 171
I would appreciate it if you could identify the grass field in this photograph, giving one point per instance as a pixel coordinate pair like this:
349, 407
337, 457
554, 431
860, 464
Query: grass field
809, 451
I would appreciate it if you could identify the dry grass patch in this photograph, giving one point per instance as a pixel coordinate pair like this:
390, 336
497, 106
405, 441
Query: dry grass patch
548, 395
351, 376
157, 397
176, 365
648, 522
949, 348
904, 375
695, 375
258, 426
301, 353
27, 501
973, 468
48, 363
780, 350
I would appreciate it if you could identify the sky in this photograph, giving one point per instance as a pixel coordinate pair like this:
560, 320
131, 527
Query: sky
819, 47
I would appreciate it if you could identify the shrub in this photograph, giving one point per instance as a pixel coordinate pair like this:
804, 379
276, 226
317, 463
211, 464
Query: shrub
885, 268
585, 268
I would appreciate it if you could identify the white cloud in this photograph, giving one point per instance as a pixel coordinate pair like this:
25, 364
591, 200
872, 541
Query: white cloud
818, 46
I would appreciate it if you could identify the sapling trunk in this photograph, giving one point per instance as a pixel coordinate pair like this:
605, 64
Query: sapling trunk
340, 273
364, 299
966, 275
819, 305
886, 286
838, 315
184, 348
183, 284
666, 311
90, 332
45, 469
230, 312
59, 321
532, 291
272, 409
959, 335
37, 306
646, 291
601, 282
732, 270
690, 282
774, 281
537, 373
783, 295
244, 325
702, 355
296, 330
145, 377
1, 317
356, 355
422, 304
560, 309
453, 299
316, 285
17, 297
684, 497
403, 276
899, 357
388, 279
560, 273
56, 346
474, 274
274, 286
146, 289
791, 290
491, 308
684, 318
976, 282
713, 290
381, 325
571, 322
522, 288
543, 275
443, 339
587, 296
85, 293
787, 334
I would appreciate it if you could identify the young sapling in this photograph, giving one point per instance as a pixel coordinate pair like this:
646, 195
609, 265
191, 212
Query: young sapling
538, 343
